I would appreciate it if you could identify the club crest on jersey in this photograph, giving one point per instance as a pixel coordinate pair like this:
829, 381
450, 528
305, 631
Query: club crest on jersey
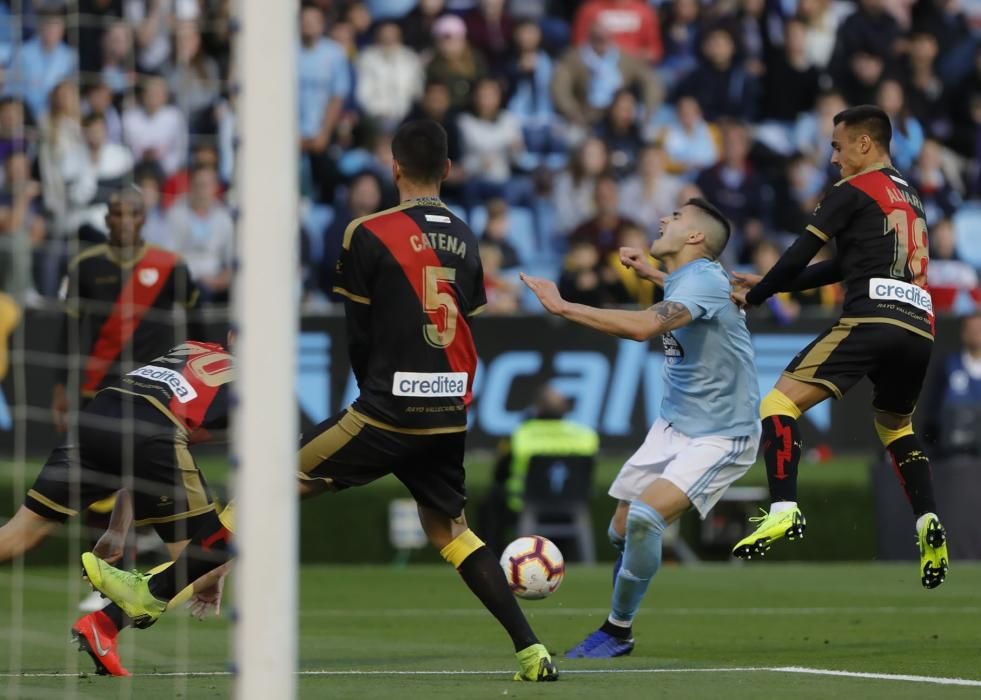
673, 352
148, 276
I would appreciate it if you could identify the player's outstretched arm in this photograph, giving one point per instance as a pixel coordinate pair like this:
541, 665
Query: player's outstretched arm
639, 261
634, 325
790, 265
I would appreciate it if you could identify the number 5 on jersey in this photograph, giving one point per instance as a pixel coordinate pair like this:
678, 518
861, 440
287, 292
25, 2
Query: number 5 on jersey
437, 300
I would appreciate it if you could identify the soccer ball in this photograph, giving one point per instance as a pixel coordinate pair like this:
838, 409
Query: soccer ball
534, 567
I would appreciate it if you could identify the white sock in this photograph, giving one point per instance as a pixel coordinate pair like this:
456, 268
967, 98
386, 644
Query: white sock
922, 519
781, 506
618, 623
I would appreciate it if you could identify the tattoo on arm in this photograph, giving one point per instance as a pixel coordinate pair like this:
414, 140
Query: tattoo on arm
669, 311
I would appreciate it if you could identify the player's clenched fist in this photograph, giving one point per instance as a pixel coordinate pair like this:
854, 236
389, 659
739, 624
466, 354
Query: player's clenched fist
546, 291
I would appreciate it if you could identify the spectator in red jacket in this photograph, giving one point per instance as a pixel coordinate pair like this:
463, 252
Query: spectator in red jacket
633, 24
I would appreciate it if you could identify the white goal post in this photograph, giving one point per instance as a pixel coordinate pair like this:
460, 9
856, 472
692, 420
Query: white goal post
265, 308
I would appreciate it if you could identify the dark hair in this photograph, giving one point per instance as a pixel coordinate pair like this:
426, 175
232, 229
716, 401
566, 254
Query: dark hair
419, 148
92, 118
870, 119
712, 211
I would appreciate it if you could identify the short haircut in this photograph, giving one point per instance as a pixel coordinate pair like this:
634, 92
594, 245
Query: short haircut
717, 228
93, 118
128, 193
870, 120
419, 147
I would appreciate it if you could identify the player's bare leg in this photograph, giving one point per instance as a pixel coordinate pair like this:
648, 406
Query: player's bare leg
23, 532
913, 470
642, 522
480, 570
781, 446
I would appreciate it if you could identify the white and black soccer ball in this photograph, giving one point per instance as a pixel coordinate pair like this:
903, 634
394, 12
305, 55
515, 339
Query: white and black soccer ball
534, 567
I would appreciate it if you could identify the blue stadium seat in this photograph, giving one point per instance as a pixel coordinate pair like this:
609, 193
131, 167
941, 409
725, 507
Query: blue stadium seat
967, 232
522, 233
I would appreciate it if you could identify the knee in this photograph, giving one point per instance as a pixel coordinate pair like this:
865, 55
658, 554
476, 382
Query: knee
777, 403
892, 428
643, 520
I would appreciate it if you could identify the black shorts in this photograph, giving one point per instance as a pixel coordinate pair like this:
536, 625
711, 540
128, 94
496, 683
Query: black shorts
350, 449
892, 357
151, 459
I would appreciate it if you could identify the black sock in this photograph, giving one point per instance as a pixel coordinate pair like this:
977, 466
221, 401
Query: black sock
913, 469
616, 630
482, 573
207, 550
117, 616
781, 445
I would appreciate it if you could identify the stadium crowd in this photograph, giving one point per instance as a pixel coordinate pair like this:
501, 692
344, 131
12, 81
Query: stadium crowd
573, 126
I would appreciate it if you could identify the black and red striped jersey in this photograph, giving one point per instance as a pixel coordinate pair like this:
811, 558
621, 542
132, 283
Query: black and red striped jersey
412, 279
877, 221
189, 384
121, 313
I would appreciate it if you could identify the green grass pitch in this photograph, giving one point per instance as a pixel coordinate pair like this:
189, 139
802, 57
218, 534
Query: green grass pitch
415, 632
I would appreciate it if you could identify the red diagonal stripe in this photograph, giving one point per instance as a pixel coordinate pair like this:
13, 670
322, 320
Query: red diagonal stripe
394, 230
134, 300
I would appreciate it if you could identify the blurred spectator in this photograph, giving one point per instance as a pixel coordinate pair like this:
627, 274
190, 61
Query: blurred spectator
641, 291
496, 232
587, 279
860, 77
651, 192
98, 100
22, 230
41, 63
812, 133
800, 190
99, 15
204, 153
503, 294
364, 196
390, 77
455, 62
721, 84
588, 77
952, 419
926, 96
680, 32
781, 307
154, 129
871, 31
13, 135
574, 190
940, 199
324, 86
530, 78
791, 82
149, 178
604, 230
632, 24
66, 190
739, 191
194, 78
152, 19
490, 28
492, 141
949, 276
118, 70
200, 229
946, 22
417, 26
907, 134
689, 141
622, 134
109, 164
822, 19
435, 105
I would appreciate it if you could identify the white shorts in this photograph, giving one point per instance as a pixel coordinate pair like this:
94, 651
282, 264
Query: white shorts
702, 467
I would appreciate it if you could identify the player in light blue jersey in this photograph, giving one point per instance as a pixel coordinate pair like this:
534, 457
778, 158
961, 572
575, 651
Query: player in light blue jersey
708, 431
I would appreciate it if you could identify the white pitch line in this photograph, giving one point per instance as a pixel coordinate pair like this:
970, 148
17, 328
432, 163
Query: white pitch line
732, 611
934, 680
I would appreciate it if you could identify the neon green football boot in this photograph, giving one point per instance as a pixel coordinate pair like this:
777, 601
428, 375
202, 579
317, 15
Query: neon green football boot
772, 527
127, 589
536, 665
932, 541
